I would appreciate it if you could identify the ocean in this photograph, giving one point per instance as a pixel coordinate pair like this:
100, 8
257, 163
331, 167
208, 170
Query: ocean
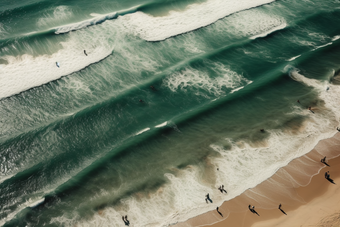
155, 104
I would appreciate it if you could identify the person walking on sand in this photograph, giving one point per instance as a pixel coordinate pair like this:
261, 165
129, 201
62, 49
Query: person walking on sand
85, 52
338, 129
328, 177
252, 209
219, 212
282, 210
324, 161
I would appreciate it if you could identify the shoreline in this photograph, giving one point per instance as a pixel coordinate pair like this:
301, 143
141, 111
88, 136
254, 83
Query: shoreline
301, 188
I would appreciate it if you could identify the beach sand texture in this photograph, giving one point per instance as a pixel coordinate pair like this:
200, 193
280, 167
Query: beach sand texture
308, 200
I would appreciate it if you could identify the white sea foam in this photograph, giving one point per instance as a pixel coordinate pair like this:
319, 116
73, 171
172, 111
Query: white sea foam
236, 89
336, 37
280, 27
144, 130
36, 203
295, 75
83, 24
161, 125
60, 13
293, 58
27, 71
318, 47
193, 17
200, 81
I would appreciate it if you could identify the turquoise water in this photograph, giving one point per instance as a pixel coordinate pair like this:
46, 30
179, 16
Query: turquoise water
79, 148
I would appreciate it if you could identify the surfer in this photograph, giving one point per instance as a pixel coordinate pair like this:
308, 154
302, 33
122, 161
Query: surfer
85, 52
57, 64
219, 212
141, 100
282, 210
262, 130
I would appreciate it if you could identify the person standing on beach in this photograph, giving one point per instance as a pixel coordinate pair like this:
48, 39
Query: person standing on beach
324, 161
85, 52
328, 177
282, 210
219, 212
252, 209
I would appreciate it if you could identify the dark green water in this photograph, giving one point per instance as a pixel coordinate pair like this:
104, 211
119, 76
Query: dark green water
140, 125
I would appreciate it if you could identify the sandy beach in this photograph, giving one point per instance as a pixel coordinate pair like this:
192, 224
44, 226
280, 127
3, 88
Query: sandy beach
306, 196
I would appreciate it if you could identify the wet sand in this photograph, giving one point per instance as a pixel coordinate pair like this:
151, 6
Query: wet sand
306, 196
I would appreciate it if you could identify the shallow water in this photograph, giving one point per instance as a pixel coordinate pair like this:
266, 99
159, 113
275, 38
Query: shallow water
78, 147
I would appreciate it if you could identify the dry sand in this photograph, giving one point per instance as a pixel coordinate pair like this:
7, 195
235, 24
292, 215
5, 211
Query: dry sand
306, 196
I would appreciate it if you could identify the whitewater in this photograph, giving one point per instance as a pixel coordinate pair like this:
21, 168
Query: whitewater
165, 106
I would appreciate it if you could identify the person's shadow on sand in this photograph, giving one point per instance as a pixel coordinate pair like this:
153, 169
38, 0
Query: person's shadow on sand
327, 176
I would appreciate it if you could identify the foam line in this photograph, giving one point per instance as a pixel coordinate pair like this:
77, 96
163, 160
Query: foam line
144, 130
236, 89
161, 125
293, 58
318, 47
83, 24
98, 19
36, 203
193, 17
280, 27
336, 38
